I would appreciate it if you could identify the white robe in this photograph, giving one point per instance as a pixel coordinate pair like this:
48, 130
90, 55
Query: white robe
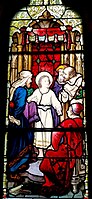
70, 88
44, 102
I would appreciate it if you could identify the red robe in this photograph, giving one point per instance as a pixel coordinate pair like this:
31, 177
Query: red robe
58, 164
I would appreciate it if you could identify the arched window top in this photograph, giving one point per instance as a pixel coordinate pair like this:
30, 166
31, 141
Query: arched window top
42, 11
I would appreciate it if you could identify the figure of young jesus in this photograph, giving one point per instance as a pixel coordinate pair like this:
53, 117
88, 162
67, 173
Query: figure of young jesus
45, 99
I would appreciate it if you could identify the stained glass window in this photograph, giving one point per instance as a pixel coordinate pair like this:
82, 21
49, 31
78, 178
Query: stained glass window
46, 142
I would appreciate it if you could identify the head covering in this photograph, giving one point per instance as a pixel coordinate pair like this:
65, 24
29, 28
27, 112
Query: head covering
63, 66
23, 77
77, 108
41, 74
25, 74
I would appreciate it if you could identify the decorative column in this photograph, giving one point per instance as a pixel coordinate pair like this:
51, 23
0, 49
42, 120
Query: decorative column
66, 56
86, 196
29, 57
13, 63
75, 178
20, 58
13, 68
25, 62
72, 55
5, 181
26, 49
8, 95
78, 56
62, 55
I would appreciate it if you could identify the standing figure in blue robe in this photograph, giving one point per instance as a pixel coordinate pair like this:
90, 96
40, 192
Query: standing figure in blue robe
59, 83
20, 136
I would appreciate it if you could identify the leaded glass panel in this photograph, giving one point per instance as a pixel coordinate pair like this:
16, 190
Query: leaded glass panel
46, 141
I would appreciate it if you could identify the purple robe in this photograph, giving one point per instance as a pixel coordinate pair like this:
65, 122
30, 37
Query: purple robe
31, 112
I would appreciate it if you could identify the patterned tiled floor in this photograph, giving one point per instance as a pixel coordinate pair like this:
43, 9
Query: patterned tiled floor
22, 193
25, 191
69, 195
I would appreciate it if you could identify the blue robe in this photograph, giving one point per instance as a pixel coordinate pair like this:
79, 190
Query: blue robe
20, 138
57, 88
